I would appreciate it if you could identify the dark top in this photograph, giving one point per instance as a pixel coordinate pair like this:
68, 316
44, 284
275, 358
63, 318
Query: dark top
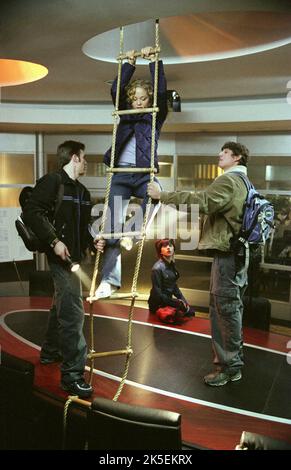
139, 125
164, 285
71, 220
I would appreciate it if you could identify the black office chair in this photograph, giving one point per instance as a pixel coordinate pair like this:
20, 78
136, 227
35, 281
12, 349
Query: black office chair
253, 441
118, 426
16, 391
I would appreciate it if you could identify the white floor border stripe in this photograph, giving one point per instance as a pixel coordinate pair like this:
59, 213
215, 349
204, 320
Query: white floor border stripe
5, 327
12, 333
193, 400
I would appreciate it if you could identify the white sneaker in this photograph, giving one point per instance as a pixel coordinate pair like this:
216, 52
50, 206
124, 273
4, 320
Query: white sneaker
126, 243
105, 290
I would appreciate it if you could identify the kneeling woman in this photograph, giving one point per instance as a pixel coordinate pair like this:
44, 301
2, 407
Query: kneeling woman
166, 300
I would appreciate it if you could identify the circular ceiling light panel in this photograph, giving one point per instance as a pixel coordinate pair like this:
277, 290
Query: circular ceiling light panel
198, 37
18, 72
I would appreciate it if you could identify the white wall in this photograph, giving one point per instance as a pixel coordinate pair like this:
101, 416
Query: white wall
95, 144
228, 111
169, 144
196, 144
179, 143
277, 145
24, 143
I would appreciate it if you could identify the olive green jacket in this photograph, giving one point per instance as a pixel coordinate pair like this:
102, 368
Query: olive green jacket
222, 203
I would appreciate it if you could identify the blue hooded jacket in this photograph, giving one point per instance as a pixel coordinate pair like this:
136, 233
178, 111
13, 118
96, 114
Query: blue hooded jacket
138, 124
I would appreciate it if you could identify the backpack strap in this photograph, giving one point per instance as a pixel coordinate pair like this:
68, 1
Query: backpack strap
245, 179
248, 186
60, 195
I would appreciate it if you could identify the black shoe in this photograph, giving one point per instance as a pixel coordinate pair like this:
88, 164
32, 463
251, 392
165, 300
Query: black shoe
190, 313
45, 360
79, 387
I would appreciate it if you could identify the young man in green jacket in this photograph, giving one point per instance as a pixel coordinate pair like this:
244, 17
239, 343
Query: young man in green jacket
222, 204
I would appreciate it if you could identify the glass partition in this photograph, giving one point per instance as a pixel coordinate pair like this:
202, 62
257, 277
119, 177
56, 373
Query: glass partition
166, 166
16, 171
9, 197
270, 173
196, 172
96, 167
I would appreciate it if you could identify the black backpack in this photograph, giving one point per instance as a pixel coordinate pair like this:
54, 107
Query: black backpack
30, 240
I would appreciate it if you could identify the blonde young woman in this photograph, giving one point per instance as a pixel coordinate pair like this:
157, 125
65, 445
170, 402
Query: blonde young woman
133, 149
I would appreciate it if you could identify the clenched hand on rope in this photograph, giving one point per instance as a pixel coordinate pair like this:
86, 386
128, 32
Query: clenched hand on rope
100, 245
147, 53
154, 191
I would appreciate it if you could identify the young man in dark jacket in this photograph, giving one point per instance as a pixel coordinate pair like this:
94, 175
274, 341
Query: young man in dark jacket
67, 239
133, 149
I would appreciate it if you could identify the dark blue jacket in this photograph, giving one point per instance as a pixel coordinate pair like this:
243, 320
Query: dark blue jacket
164, 286
138, 124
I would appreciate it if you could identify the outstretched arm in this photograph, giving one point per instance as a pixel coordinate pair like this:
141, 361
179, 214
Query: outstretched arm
216, 198
148, 53
127, 72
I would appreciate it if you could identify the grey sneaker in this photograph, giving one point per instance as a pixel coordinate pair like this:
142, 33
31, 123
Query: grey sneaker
218, 378
105, 290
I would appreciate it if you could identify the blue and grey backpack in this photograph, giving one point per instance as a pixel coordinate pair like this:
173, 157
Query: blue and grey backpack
258, 217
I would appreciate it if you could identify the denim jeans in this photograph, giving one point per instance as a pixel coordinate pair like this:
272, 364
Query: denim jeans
123, 187
65, 325
227, 285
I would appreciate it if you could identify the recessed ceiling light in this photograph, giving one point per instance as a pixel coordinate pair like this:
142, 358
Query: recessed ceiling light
18, 72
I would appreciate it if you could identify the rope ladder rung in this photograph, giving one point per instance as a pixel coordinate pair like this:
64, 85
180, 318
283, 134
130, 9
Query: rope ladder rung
117, 296
76, 399
155, 50
131, 169
152, 110
113, 235
118, 352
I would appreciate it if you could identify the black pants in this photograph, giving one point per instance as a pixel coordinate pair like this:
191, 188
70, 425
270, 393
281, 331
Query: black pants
65, 325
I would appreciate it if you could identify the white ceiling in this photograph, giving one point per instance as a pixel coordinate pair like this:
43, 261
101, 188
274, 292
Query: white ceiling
52, 33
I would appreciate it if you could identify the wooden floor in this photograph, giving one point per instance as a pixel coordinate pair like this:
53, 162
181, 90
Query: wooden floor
211, 418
